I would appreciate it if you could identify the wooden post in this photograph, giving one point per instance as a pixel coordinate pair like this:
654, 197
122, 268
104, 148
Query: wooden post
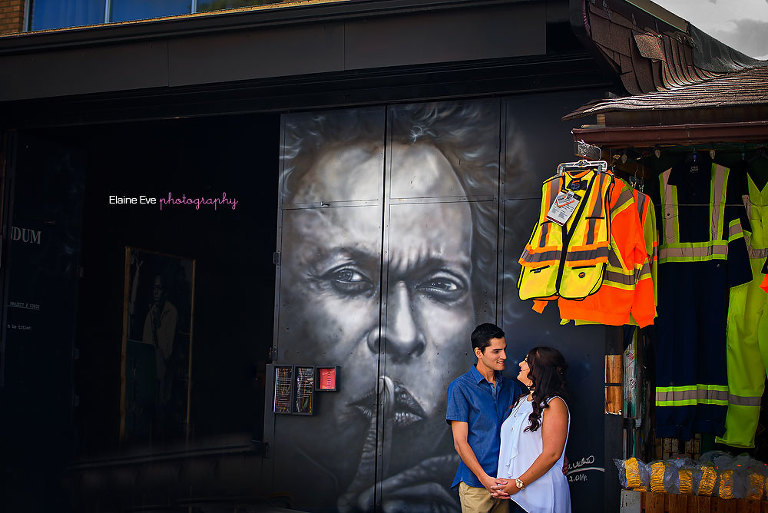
654, 502
614, 381
678, 504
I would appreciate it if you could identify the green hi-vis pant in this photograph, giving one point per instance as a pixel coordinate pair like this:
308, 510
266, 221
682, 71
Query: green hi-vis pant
747, 356
747, 360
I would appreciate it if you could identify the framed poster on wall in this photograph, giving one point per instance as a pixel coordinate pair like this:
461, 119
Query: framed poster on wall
156, 357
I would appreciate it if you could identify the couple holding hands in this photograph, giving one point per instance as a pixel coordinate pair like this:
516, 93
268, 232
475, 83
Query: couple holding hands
511, 441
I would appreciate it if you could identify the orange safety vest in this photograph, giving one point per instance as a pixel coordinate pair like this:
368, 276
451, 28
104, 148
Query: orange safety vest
568, 261
627, 285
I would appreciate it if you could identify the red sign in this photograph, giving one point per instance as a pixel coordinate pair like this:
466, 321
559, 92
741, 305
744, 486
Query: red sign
327, 379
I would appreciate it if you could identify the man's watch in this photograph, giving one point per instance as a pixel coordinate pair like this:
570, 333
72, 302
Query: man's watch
519, 483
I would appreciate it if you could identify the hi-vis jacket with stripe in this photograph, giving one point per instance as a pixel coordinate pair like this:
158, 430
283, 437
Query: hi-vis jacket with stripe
569, 261
627, 284
702, 256
680, 242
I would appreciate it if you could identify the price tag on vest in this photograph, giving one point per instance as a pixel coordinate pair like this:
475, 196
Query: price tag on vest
563, 208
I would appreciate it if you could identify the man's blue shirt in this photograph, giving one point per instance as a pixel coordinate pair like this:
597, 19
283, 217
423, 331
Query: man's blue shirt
471, 400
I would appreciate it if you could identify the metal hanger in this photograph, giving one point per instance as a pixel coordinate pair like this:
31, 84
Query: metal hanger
581, 165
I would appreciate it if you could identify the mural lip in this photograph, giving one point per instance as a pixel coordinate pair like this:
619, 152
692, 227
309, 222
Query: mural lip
407, 409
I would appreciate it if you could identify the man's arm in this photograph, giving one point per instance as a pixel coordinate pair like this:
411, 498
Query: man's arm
460, 432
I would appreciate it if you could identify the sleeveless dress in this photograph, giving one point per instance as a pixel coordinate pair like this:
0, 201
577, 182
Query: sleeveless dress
519, 449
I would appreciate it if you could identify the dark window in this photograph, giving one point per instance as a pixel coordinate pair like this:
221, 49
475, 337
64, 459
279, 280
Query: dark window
53, 14
218, 5
128, 10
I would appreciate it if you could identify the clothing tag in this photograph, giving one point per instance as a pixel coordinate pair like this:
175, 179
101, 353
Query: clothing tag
577, 185
563, 208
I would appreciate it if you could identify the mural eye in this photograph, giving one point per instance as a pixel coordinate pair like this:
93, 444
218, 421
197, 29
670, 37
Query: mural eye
349, 280
443, 286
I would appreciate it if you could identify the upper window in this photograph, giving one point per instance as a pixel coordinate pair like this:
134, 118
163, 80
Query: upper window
55, 14
129, 10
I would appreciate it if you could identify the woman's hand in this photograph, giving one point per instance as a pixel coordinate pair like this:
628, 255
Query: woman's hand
504, 489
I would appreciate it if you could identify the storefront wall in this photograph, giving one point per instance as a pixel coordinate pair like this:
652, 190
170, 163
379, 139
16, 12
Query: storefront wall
400, 229
200, 106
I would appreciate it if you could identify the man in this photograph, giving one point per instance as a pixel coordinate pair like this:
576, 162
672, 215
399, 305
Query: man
386, 262
477, 403
160, 331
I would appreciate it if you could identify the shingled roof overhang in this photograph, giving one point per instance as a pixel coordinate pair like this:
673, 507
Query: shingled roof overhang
685, 135
684, 86
745, 88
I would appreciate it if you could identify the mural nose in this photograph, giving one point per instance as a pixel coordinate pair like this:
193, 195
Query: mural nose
402, 335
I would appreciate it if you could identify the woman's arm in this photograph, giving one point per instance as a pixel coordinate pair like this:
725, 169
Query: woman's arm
554, 431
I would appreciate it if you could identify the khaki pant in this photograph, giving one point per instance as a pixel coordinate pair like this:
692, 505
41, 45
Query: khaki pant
479, 500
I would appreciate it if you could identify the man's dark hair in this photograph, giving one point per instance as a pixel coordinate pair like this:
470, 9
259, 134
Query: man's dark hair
482, 335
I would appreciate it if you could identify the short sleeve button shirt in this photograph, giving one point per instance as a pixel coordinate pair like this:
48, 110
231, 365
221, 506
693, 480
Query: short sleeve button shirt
471, 399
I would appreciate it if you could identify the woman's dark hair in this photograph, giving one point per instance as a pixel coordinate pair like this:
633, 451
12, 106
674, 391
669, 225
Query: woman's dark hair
548, 372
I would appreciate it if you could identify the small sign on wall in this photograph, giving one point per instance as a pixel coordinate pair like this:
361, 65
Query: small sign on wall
295, 387
305, 391
283, 389
327, 379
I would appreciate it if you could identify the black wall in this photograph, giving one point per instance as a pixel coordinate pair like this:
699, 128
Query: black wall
62, 386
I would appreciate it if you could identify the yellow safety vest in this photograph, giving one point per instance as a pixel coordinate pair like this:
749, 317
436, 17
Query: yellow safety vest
569, 260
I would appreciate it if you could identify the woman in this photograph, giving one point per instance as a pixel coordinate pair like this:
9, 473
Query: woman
533, 438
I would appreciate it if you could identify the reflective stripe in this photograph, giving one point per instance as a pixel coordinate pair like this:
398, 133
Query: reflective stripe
554, 189
669, 207
645, 270
623, 200
747, 205
544, 232
738, 400
755, 253
700, 252
717, 201
675, 217
542, 256
587, 254
760, 254
640, 202
688, 395
621, 278
613, 260
597, 208
591, 223
734, 230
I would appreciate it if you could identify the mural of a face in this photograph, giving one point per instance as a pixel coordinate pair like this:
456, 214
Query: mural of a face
335, 271
378, 276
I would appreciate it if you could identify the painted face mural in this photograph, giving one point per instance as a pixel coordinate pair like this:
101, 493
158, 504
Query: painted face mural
386, 267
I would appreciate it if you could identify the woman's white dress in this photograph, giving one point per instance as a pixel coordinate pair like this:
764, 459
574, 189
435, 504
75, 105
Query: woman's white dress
519, 449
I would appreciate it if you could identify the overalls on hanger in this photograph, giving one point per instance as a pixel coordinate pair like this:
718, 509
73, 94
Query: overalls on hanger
702, 255
747, 357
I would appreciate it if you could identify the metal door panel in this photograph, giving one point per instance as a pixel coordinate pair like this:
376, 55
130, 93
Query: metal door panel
440, 268
328, 303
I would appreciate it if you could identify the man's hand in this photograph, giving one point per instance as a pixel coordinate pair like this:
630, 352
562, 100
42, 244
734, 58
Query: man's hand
503, 489
565, 464
488, 482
